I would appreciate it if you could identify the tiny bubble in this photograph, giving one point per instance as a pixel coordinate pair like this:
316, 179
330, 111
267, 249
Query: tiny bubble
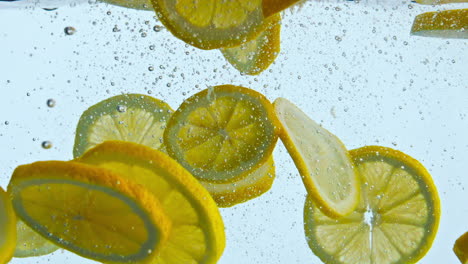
69, 30
157, 28
50, 102
121, 108
46, 144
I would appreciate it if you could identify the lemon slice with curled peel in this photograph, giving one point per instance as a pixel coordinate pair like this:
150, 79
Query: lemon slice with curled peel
322, 160
90, 211
460, 248
7, 228
395, 222
197, 230
443, 24
30, 243
256, 55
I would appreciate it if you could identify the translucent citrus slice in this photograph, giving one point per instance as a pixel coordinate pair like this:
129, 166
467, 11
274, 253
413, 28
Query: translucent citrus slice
322, 160
256, 55
7, 228
30, 243
90, 211
255, 184
197, 234
211, 24
460, 248
271, 7
133, 4
128, 117
395, 222
223, 133
444, 24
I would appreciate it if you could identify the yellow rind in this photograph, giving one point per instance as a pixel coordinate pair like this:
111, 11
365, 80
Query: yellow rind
9, 230
443, 24
271, 7
460, 248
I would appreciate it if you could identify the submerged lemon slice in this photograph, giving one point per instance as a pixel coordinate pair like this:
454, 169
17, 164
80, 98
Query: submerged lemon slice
90, 211
395, 222
271, 7
197, 233
255, 56
322, 160
129, 117
7, 228
30, 243
133, 4
444, 24
460, 248
223, 133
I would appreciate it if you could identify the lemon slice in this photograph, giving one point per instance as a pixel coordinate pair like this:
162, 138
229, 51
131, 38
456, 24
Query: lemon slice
128, 117
322, 160
255, 56
439, 2
395, 222
90, 211
271, 7
197, 234
211, 24
223, 133
7, 228
30, 243
133, 4
460, 248
444, 24
255, 184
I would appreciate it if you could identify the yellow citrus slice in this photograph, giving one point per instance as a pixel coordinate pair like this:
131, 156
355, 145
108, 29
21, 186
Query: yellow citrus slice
395, 222
439, 2
90, 211
460, 248
30, 243
197, 233
129, 117
443, 24
255, 184
133, 4
211, 24
256, 55
322, 160
7, 228
271, 7
223, 133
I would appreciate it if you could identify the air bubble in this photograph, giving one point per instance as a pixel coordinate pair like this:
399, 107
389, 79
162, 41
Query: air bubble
50, 103
69, 31
46, 144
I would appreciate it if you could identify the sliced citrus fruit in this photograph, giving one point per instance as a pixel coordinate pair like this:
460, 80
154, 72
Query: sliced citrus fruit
90, 211
7, 228
30, 243
133, 4
271, 7
255, 184
439, 2
443, 24
197, 233
322, 160
256, 55
223, 133
211, 24
129, 117
395, 222
460, 248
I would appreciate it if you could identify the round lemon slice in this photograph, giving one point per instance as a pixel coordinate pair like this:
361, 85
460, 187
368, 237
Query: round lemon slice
7, 228
30, 243
129, 117
322, 160
257, 55
395, 222
460, 248
197, 232
223, 133
211, 24
444, 24
90, 211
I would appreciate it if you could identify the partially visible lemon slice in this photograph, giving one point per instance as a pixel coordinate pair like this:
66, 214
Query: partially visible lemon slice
439, 2
255, 184
30, 243
7, 228
90, 211
197, 233
443, 24
129, 117
211, 24
256, 55
322, 160
133, 4
223, 133
271, 7
395, 222
460, 248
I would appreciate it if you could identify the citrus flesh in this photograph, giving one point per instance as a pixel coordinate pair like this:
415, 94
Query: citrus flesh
395, 222
90, 211
460, 248
7, 228
258, 54
128, 117
30, 243
197, 230
323, 162
443, 24
223, 133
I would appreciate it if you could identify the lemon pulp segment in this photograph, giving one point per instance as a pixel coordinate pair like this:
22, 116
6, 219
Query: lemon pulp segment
30, 243
7, 228
443, 24
395, 222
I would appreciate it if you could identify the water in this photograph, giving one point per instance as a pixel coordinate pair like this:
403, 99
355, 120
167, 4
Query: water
352, 66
